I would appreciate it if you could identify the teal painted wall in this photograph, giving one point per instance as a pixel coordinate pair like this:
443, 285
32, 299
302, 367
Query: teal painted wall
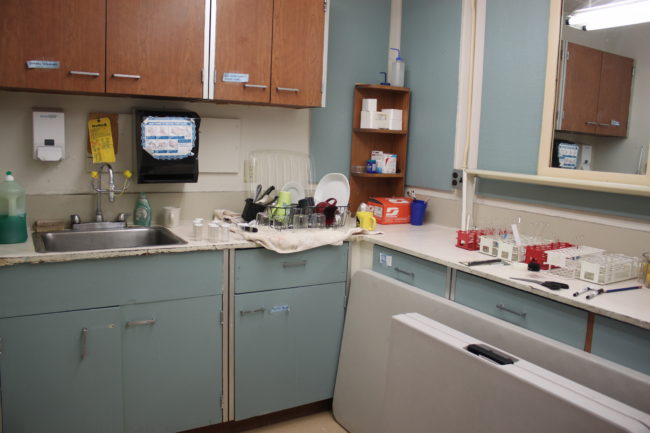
357, 52
514, 68
431, 50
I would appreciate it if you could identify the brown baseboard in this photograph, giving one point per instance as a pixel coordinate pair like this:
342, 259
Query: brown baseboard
263, 420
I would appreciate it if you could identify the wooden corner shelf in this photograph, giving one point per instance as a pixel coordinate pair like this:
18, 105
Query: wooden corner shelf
378, 175
364, 141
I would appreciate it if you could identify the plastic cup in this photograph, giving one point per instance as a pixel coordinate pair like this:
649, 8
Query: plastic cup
418, 208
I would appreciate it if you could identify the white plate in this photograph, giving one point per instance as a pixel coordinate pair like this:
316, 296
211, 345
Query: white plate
296, 190
334, 185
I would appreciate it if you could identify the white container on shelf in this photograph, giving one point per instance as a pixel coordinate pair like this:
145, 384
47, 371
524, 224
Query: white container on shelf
393, 118
369, 105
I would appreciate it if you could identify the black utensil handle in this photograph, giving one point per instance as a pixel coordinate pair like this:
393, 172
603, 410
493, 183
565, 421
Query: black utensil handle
479, 350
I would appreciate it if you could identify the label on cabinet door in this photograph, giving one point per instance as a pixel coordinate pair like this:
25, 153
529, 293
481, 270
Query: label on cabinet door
232, 77
279, 308
43, 64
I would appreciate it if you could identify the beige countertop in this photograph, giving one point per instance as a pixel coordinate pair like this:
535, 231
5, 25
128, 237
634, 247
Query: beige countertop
438, 244
13, 254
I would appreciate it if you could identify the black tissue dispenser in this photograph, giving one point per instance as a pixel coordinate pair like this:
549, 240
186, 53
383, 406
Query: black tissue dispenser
167, 146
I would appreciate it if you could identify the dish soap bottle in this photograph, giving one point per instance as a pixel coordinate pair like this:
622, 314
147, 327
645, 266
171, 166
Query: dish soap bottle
142, 212
13, 220
397, 70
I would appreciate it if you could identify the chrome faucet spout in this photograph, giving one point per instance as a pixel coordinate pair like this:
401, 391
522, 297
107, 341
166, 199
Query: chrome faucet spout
99, 215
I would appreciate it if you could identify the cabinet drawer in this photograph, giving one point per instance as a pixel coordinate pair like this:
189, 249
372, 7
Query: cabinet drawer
623, 343
51, 287
417, 272
549, 318
261, 269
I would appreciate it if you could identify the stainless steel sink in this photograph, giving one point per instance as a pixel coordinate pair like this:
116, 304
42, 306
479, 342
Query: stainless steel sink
78, 240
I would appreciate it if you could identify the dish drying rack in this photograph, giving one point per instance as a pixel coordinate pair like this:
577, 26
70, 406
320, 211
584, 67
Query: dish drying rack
283, 217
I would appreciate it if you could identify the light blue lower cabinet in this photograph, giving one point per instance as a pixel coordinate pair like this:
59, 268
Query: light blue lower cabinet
61, 372
549, 318
415, 271
287, 344
172, 365
622, 343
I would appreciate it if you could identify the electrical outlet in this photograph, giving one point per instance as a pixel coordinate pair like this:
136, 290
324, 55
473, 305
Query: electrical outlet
410, 192
456, 178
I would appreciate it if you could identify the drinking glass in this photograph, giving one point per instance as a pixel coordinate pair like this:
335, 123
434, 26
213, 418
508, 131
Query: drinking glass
317, 221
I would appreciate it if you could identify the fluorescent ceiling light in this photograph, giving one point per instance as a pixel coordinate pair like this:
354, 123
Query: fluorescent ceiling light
617, 14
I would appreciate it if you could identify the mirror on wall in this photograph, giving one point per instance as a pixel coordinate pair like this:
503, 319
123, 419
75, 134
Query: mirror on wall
601, 122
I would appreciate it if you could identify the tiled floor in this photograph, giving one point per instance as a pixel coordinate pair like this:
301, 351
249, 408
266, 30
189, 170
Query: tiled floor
321, 422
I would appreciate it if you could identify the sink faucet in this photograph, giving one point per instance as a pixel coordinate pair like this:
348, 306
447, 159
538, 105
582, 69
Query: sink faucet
97, 186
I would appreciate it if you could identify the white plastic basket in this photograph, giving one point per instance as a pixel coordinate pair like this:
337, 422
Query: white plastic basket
608, 268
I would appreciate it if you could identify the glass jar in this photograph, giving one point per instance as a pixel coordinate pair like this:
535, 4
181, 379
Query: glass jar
644, 273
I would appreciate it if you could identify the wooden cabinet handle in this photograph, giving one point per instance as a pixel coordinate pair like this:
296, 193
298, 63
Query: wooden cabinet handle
134, 77
84, 73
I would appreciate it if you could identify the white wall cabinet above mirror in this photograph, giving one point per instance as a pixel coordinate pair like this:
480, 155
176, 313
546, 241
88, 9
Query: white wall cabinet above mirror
596, 101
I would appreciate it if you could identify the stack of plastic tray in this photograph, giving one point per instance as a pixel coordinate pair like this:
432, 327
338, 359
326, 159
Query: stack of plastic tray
537, 253
469, 239
512, 251
565, 262
608, 268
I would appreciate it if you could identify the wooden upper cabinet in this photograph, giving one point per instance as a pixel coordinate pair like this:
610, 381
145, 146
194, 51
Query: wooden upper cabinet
70, 32
155, 47
615, 93
297, 60
597, 88
243, 50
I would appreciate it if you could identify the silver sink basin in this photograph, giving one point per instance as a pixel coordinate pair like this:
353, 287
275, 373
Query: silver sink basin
131, 237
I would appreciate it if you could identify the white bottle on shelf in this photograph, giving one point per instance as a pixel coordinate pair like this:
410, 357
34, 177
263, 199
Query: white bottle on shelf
397, 69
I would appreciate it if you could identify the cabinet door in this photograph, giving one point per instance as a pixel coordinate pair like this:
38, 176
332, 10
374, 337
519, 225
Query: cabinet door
297, 60
155, 47
614, 97
243, 47
581, 89
70, 32
286, 347
172, 365
62, 372
623, 343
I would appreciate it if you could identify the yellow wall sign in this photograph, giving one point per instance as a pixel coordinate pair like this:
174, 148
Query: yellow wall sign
101, 140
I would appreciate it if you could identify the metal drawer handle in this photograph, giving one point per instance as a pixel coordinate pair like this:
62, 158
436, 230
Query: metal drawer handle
135, 77
294, 264
604, 124
134, 323
516, 313
84, 341
287, 89
592, 123
258, 310
256, 86
410, 274
87, 74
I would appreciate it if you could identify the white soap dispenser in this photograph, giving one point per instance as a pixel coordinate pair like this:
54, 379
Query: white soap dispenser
397, 70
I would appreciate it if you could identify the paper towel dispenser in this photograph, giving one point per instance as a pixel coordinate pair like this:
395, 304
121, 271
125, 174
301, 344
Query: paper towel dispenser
167, 146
